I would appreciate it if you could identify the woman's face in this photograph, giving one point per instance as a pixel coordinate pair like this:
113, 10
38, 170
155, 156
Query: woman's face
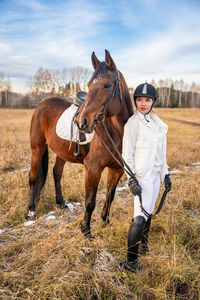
144, 104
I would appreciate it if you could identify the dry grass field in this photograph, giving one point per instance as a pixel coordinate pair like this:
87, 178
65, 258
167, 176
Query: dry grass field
50, 258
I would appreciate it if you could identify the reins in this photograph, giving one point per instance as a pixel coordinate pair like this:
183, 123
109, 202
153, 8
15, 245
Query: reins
123, 165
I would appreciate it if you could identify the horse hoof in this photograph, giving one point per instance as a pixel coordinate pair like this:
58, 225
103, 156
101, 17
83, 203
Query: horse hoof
86, 231
89, 236
31, 215
105, 223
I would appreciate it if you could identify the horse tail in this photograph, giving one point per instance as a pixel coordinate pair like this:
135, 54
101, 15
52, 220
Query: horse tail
44, 166
41, 176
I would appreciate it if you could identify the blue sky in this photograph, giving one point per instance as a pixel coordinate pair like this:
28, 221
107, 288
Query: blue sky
148, 39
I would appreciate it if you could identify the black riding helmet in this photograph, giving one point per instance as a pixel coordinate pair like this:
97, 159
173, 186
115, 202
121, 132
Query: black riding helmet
145, 90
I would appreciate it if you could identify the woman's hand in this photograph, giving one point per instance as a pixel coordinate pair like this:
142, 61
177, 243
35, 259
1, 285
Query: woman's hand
135, 188
168, 184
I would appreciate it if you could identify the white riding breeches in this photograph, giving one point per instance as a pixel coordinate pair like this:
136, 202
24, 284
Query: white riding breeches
150, 191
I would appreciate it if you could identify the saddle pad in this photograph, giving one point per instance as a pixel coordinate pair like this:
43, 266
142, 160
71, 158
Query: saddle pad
63, 127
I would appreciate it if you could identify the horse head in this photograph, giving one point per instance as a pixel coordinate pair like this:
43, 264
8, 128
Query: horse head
106, 90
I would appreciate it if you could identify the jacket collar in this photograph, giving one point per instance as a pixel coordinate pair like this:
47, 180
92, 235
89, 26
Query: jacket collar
157, 120
144, 118
163, 126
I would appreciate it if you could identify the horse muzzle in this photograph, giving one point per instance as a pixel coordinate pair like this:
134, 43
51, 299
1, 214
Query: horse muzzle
84, 126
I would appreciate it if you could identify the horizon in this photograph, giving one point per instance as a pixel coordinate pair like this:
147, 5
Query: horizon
147, 39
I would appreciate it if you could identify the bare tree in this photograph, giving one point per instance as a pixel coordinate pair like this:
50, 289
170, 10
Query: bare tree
64, 82
5, 91
79, 75
193, 90
55, 80
1, 82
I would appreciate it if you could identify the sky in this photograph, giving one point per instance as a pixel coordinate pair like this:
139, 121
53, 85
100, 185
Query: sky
147, 39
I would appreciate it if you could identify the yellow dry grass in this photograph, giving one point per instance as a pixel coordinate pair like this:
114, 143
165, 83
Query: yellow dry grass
52, 260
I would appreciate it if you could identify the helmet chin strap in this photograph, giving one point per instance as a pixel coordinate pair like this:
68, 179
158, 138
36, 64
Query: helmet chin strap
150, 108
149, 111
146, 118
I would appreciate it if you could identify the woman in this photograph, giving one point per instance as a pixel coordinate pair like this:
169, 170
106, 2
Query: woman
144, 150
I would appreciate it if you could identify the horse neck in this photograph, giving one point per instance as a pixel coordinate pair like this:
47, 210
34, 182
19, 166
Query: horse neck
115, 124
115, 128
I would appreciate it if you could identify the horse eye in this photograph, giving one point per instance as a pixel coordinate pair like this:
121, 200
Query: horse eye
107, 85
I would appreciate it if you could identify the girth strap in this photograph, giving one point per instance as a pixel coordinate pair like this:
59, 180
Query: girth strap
81, 96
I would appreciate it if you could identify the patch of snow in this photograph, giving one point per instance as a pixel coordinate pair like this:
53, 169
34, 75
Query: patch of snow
174, 171
70, 206
2, 231
51, 217
52, 212
101, 195
193, 214
122, 188
29, 223
23, 169
196, 163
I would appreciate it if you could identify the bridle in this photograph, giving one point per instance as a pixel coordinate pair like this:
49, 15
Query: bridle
101, 115
99, 119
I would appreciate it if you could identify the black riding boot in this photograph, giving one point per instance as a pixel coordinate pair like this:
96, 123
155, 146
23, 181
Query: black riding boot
134, 237
143, 247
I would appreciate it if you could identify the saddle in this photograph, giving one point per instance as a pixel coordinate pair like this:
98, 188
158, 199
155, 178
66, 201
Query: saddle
78, 101
80, 98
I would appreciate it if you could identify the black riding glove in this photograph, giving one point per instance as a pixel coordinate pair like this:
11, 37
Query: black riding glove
134, 186
168, 184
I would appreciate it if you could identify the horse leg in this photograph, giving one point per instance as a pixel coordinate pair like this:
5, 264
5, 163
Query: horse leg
57, 174
113, 178
92, 177
37, 175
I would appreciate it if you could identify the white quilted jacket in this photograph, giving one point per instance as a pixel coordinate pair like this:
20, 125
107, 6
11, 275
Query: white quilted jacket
140, 145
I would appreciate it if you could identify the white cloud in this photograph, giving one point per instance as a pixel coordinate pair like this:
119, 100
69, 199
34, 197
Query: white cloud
48, 38
33, 5
4, 49
172, 53
162, 41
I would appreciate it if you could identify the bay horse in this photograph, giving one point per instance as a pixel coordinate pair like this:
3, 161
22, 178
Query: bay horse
106, 83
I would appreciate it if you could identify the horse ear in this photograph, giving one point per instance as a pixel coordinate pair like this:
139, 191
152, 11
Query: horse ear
95, 61
109, 61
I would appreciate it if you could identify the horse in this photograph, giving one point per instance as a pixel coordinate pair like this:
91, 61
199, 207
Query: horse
107, 84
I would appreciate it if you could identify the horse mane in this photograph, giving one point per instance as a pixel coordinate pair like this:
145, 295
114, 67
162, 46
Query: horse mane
127, 97
101, 69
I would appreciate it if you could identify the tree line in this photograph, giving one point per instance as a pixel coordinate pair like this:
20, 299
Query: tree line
66, 82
